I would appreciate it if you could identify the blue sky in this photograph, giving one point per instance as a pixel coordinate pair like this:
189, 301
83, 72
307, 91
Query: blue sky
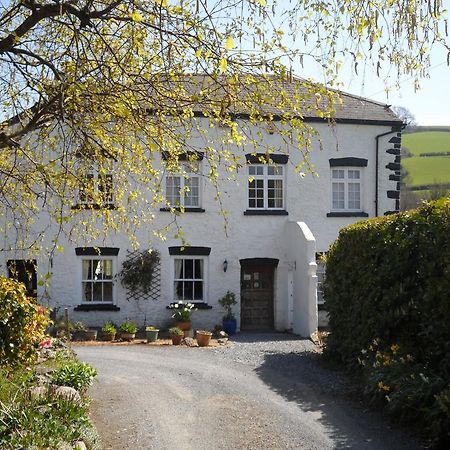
430, 104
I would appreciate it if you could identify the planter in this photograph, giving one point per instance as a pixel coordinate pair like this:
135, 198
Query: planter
90, 335
109, 336
127, 336
176, 339
185, 326
203, 338
152, 335
229, 326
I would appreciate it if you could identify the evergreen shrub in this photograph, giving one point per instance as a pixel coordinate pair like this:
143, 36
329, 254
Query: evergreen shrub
388, 287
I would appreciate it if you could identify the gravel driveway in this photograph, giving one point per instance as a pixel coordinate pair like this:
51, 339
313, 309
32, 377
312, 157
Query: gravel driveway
266, 391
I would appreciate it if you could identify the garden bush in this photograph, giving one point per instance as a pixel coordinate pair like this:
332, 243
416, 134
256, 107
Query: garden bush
22, 324
387, 287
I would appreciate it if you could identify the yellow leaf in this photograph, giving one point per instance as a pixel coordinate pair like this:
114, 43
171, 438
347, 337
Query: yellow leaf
230, 43
223, 64
136, 16
163, 3
262, 2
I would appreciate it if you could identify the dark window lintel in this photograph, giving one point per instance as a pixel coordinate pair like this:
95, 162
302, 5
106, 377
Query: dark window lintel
348, 162
97, 251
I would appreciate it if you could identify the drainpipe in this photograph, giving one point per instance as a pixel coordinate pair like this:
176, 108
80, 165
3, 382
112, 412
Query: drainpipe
376, 164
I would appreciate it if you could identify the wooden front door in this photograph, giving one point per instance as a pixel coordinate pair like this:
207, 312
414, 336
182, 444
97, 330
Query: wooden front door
257, 297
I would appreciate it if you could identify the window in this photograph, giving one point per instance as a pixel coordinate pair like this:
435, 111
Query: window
97, 280
265, 187
183, 189
320, 272
96, 186
346, 189
189, 279
24, 271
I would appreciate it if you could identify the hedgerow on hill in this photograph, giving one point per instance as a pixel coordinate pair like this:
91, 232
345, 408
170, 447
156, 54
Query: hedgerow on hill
387, 294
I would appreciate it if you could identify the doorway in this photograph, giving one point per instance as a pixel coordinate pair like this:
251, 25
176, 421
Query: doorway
257, 293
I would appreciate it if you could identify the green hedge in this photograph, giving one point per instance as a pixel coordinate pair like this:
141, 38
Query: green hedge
388, 284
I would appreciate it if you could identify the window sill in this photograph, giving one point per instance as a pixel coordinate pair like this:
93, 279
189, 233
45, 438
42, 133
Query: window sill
94, 206
97, 307
197, 305
265, 212
193, 210
348, 214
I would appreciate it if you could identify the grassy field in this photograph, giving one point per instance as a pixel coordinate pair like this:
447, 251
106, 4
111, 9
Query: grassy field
427, 142
428, 170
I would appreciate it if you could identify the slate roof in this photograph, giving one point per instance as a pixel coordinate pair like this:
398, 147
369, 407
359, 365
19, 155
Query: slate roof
271, 96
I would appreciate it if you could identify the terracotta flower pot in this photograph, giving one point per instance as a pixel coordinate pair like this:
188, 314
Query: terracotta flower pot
203, 338
176, 339
185, 326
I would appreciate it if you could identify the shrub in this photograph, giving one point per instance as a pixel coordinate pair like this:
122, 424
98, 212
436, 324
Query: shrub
128, 327
387, 283
227, 302
22, 324
75, 374
109, 328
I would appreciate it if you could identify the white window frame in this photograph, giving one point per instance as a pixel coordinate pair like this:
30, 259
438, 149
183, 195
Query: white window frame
174, 278
346, 181
185, 175
266, 177
91, 169
113, 260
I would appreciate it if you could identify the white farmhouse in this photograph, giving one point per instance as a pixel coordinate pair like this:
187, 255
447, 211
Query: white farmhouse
277, 225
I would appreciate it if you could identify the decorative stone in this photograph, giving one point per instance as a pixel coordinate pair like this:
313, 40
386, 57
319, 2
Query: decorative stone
190, 342
66, 393
222, 341
222, 334
38, 392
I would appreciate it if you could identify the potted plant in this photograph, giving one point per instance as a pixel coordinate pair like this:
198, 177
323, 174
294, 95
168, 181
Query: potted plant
176, 335
128, 331
79, 330
109, 331
229, 320
151, 333
182, 314
203, 338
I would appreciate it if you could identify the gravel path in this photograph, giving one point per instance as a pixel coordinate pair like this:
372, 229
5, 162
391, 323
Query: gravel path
266, 391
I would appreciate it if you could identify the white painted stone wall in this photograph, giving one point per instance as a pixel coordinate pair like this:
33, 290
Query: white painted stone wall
308, 200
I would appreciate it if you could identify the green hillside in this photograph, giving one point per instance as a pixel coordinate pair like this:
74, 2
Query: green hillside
427, 142
431, 169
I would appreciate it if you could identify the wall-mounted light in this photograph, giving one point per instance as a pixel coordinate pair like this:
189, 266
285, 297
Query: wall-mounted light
225, 265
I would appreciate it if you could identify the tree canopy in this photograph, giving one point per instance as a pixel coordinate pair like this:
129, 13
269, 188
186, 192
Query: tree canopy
95, 82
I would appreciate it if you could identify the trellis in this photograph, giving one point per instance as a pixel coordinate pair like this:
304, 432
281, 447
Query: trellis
139, 293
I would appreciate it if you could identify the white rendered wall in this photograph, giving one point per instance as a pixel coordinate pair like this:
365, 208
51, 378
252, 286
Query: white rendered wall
301, 249
308, 200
